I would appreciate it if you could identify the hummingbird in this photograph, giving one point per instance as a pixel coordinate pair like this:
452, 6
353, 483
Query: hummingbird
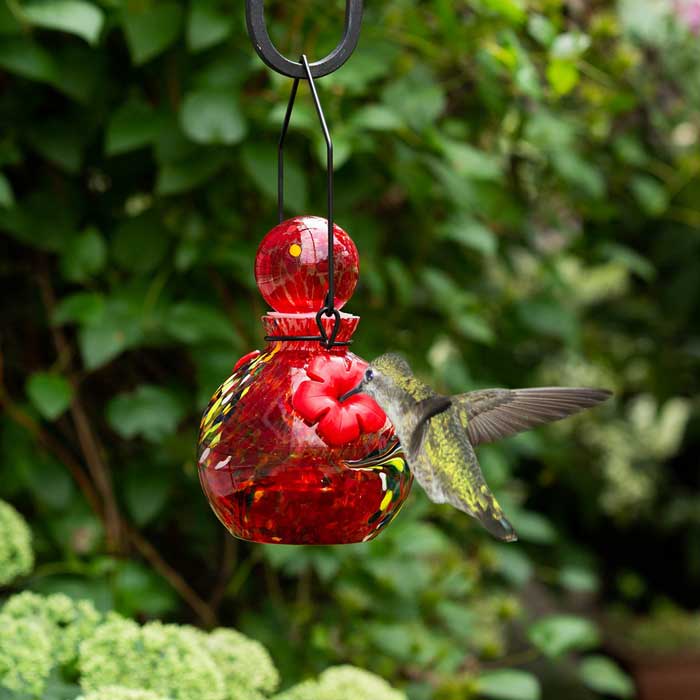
439, 433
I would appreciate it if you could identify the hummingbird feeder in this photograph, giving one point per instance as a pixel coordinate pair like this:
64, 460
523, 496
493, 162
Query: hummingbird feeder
284, 456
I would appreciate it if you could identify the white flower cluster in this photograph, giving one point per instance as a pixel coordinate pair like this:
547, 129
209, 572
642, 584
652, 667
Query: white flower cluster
118, 659
16, 553
343, 683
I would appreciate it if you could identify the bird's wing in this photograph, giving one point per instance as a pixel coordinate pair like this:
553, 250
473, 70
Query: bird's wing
448, 470
425, 410
492, 414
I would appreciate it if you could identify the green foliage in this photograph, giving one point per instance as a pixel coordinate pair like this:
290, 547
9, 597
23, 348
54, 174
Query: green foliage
66, 623
343, 683
604, 676
50, 643
509, 684
166, 659
16, 552
558, 634
50, 394
244, 663
116, 692
25, 656
521, 179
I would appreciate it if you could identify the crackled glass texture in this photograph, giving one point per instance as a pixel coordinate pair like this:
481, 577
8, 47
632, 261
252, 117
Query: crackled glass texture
281, 458
291, 267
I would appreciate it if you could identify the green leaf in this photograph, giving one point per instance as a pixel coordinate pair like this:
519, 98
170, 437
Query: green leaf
9, 21
508, 684
418, 97
570, 45
559, 634
579, 173
208, 24
514, 565
547, 317
470, 233
376, 118
578, 579
213, 117
79, 72
650, 194
49, 393
139, 591
146, 493
604, 676
41, 219
134, 125
151, 412
118, 328
533, 527
48, 481
541, 29
27, 59
7, 198
140, 243
471, 162
59, 141
372, 60
474, 327
101, 343
630, 259
186, 174
84, 256
150, 28
513, 10
73, 16
260, 162
83, 307
191, 322
562, 75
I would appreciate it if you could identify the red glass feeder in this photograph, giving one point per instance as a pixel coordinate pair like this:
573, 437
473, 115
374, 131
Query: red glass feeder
281, 459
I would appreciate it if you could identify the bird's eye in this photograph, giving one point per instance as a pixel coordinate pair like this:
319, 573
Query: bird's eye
369, 375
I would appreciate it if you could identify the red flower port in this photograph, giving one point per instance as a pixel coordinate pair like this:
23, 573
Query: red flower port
318, 400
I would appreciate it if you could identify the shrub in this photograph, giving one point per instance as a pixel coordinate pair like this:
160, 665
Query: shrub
243, 662
16, 553
25, 655
118, 692
65, 622
343, 683
166, 659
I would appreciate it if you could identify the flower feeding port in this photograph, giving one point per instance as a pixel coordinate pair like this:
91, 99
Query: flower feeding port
281, 458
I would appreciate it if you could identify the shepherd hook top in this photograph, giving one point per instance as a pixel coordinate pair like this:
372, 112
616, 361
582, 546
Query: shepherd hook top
257, 29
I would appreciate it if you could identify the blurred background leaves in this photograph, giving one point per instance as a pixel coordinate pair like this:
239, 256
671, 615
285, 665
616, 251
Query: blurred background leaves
521, 178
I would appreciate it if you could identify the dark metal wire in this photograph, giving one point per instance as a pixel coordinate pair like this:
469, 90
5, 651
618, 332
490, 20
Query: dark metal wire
303, 70
328, 309
257, 29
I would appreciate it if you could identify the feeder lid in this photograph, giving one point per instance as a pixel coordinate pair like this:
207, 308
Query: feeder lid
291, 266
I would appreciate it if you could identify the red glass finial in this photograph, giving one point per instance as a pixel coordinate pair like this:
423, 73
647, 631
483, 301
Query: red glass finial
291, 266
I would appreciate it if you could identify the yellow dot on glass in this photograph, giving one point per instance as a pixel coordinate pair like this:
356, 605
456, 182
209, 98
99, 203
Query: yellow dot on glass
295, 250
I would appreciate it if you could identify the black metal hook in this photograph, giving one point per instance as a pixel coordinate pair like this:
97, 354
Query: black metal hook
257, 29
328, 308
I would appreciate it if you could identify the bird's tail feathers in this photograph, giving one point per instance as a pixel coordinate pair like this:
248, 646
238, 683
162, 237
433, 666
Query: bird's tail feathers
498, 525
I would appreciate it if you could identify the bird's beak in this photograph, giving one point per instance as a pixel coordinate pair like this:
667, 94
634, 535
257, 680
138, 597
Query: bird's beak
352, 392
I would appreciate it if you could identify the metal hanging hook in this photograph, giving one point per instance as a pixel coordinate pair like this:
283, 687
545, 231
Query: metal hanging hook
257, 29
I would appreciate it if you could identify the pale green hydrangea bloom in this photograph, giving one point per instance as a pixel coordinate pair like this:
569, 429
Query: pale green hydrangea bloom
243, 662
16, 553
118, 692
66, 621
169, 660
307, 690
25, 655
343, 683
